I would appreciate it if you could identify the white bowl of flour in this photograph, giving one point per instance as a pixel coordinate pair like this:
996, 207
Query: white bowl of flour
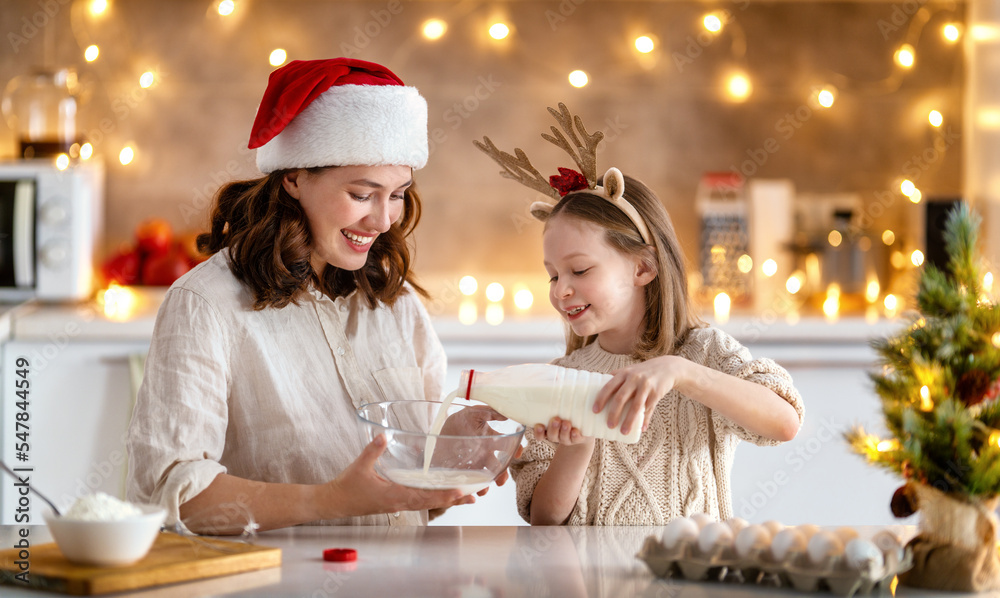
102, 530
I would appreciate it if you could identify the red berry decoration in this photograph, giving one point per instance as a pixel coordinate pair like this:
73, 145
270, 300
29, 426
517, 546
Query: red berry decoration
568, 180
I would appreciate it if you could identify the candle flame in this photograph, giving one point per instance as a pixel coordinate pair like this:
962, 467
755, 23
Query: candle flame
722, 304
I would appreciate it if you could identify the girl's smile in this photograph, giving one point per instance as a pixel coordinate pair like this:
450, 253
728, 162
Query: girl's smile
598, 289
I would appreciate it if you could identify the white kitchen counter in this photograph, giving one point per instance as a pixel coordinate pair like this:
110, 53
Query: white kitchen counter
455, 561
8, 311
87, 321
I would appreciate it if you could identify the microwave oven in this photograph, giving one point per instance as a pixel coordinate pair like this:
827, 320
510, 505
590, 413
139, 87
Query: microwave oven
51, 222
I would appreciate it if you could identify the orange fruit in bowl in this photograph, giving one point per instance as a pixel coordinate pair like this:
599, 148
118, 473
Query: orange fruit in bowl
154, 236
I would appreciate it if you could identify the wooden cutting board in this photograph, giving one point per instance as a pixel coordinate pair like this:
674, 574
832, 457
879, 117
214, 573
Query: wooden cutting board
172, 559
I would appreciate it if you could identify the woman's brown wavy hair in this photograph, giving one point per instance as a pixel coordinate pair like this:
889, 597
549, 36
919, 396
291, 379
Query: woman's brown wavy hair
670, 314
269, 242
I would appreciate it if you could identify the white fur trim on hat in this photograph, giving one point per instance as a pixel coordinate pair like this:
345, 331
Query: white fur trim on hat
368, 125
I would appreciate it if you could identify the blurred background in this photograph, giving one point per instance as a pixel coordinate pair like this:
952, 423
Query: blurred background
808, 153
797, 145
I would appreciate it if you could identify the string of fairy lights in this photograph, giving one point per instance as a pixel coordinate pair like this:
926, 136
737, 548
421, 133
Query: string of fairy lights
736, 86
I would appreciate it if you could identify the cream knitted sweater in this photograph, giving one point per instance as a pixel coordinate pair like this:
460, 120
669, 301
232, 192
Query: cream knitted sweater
682, 462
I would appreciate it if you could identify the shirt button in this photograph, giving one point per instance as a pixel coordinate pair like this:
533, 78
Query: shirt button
340, 351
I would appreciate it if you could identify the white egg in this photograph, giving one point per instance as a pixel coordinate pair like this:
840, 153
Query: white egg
887, 541
702, 519
846, 534
736, 524
824, 545
863, 554
679, 530
774, 527
714, 535
750, 539
786, 543
808, 529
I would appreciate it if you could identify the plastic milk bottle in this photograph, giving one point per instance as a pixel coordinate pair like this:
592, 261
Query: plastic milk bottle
535, 393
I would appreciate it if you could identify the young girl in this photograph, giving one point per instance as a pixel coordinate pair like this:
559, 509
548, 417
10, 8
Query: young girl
618, 279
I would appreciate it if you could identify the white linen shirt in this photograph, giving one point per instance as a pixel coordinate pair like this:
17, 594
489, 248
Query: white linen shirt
269, 395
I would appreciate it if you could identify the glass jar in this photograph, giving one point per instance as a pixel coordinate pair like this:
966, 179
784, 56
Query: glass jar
41, 108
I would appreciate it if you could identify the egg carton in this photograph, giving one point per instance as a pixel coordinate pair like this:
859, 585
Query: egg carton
797, 570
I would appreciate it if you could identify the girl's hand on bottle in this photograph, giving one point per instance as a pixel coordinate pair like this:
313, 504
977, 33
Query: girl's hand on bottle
561, 432
635, 390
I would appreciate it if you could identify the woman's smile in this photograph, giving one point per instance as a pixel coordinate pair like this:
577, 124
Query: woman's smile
358, 242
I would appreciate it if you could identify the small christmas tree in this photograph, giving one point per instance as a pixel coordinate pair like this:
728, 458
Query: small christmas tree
938, 387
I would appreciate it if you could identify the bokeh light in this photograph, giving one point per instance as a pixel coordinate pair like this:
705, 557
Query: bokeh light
499, 31
578, 79
434, 28
468, 285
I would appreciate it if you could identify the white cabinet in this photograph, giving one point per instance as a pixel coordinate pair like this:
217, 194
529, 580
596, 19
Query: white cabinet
79, 402
79, 406
815, 478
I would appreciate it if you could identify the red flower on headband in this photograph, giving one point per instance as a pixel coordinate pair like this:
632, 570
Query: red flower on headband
568, 180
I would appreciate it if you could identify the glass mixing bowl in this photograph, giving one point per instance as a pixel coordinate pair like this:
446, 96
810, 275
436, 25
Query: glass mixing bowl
475, 445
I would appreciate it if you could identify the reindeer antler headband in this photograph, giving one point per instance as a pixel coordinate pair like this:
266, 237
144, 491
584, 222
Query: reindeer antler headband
517, 167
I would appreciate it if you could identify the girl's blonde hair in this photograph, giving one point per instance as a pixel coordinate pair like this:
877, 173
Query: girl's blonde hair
669, 312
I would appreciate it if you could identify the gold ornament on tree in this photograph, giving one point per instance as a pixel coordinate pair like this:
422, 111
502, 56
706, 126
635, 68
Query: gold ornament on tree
938, 387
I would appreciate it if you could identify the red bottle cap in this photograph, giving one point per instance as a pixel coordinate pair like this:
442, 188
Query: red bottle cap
340, 554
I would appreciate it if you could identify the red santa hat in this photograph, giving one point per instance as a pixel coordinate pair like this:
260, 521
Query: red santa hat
338, 112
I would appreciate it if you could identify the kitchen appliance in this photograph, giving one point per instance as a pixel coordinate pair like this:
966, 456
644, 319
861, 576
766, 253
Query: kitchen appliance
50, 222
41, 108
722, 205
771, 230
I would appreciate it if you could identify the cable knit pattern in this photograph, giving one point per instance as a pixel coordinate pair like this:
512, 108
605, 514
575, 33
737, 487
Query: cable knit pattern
682, 462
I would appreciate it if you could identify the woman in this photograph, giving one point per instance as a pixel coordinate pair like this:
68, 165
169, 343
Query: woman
305, 311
